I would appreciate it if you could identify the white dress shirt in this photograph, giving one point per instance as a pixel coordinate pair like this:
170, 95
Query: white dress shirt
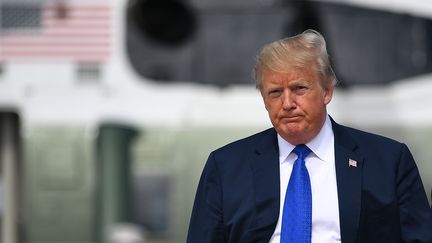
320, 164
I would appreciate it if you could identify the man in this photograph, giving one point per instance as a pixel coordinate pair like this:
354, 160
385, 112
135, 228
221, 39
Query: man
308, 179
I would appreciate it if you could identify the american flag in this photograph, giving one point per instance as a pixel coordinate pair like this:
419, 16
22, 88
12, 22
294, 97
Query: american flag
54, 30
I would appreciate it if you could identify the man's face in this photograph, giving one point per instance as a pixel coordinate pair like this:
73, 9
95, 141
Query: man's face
296, 103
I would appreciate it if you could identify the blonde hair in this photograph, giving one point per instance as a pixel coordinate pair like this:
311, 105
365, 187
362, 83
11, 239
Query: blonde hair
306, 50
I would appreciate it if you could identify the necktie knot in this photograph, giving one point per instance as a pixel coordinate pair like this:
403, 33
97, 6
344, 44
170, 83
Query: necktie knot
302, 151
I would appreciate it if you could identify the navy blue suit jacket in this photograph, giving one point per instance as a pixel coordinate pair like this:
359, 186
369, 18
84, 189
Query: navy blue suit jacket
380, 200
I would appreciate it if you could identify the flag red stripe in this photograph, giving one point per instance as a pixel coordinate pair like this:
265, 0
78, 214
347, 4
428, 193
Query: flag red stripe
50, 60
53, 43
72, 7
55, 53
77, 26
68, 18
60, 35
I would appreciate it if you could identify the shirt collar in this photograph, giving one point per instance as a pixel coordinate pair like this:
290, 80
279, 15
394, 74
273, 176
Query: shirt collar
321, 145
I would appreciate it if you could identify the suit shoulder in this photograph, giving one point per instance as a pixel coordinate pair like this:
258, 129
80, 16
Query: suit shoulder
246, 143
371, 139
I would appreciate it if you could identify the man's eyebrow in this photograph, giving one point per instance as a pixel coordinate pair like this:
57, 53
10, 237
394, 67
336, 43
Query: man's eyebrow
300, 81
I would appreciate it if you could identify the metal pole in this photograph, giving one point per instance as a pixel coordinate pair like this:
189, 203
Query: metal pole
9, 158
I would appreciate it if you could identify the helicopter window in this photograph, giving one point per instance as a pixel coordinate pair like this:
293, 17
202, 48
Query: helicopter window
88, 71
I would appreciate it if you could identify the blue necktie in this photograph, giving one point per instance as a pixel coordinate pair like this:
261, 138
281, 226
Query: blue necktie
297, 210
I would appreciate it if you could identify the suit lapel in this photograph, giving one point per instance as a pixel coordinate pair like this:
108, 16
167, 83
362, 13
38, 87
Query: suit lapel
265, 171
349, 183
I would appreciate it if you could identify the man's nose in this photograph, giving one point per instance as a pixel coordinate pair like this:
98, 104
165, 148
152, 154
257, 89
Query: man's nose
288, 101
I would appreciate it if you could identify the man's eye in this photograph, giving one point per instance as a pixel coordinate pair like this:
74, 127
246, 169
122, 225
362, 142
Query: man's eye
275, 93
301, 88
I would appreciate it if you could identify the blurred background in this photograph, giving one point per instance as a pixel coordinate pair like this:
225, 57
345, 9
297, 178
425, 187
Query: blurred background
109, 108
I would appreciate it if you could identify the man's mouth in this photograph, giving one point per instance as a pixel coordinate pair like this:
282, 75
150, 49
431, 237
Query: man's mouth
290, 118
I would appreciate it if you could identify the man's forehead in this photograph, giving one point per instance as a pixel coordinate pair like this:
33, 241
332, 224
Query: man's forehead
273, 77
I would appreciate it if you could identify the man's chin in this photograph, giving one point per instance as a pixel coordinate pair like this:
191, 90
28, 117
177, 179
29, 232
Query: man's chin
293, 135
292, 128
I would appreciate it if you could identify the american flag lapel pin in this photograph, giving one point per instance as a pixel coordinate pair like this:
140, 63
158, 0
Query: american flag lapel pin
352, 163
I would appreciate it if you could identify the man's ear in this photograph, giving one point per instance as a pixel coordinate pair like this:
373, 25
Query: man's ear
328, 93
